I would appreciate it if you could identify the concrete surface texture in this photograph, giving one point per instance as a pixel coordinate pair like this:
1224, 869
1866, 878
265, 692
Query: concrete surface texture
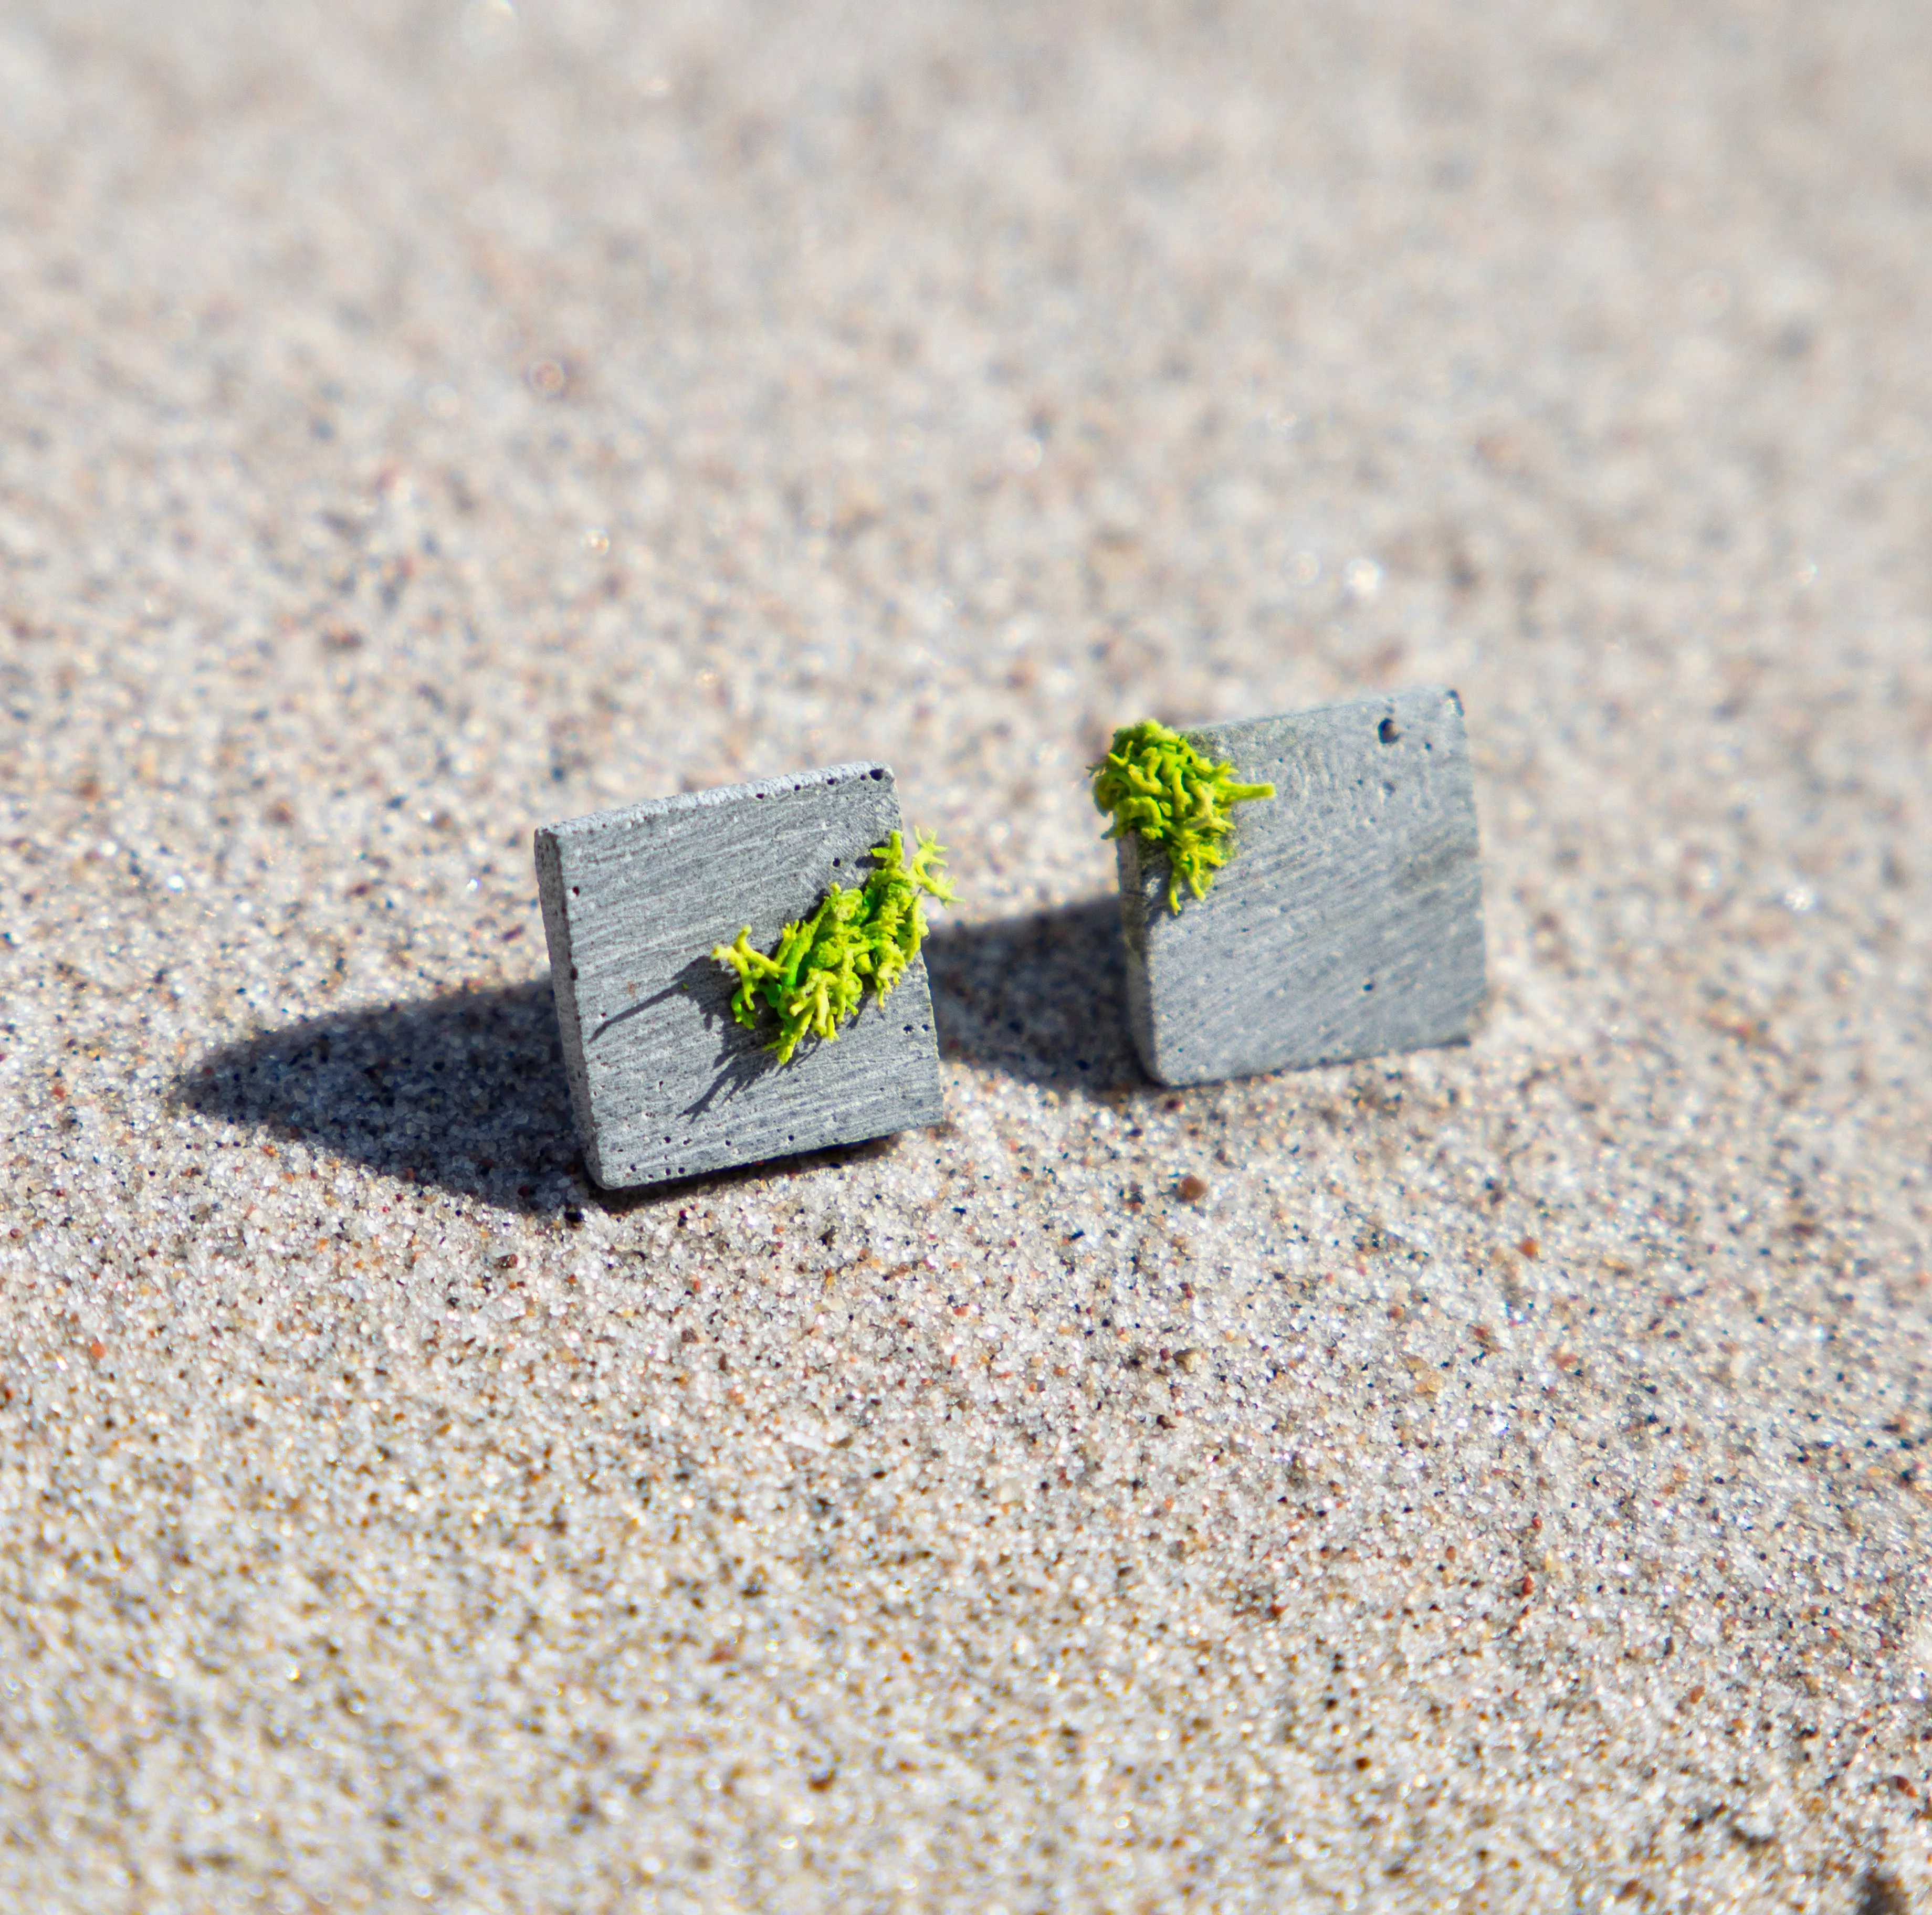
664, 1080
1491, 1478
1347, 921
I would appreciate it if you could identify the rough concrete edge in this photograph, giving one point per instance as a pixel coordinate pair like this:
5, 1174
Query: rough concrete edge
592, 823
556, 936
1482, 993
1209, 728
1133, 883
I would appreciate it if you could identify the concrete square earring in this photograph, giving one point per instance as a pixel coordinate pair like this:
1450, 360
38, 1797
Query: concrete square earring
737, 972
1297, 890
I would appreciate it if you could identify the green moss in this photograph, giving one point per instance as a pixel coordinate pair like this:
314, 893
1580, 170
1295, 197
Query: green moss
816, 976
1154, 783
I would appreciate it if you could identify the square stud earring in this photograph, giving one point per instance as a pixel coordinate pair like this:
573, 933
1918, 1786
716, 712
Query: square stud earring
1298, 890
737, 973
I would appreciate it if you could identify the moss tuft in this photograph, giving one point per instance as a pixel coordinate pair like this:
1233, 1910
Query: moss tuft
1155, 783
815, 978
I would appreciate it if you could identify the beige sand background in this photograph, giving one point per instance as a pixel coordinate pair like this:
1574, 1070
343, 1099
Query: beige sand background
1505, 1488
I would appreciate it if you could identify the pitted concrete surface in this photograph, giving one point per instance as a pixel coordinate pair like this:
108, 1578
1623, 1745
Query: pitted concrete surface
1347, 921
1490, 1478
665, 1083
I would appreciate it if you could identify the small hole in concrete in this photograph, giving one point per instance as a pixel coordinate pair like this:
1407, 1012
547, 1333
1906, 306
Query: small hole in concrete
878, 774
1369, 985
1388, 731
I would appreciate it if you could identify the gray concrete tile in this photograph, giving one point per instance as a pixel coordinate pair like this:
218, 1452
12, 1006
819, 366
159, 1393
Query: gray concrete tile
1349, 921
664, 1082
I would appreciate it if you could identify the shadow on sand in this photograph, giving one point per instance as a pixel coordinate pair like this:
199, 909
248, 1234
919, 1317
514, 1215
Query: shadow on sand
466, 1090
1041, 996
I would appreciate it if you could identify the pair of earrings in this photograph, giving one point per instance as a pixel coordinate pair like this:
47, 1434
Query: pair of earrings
1293, 890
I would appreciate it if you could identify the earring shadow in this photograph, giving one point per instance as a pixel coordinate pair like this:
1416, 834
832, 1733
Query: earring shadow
466, 1091
1040, 996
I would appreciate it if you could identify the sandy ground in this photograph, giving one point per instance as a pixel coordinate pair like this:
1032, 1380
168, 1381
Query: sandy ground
1503, 1487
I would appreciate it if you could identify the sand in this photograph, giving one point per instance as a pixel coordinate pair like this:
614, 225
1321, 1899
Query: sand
1493, 1477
